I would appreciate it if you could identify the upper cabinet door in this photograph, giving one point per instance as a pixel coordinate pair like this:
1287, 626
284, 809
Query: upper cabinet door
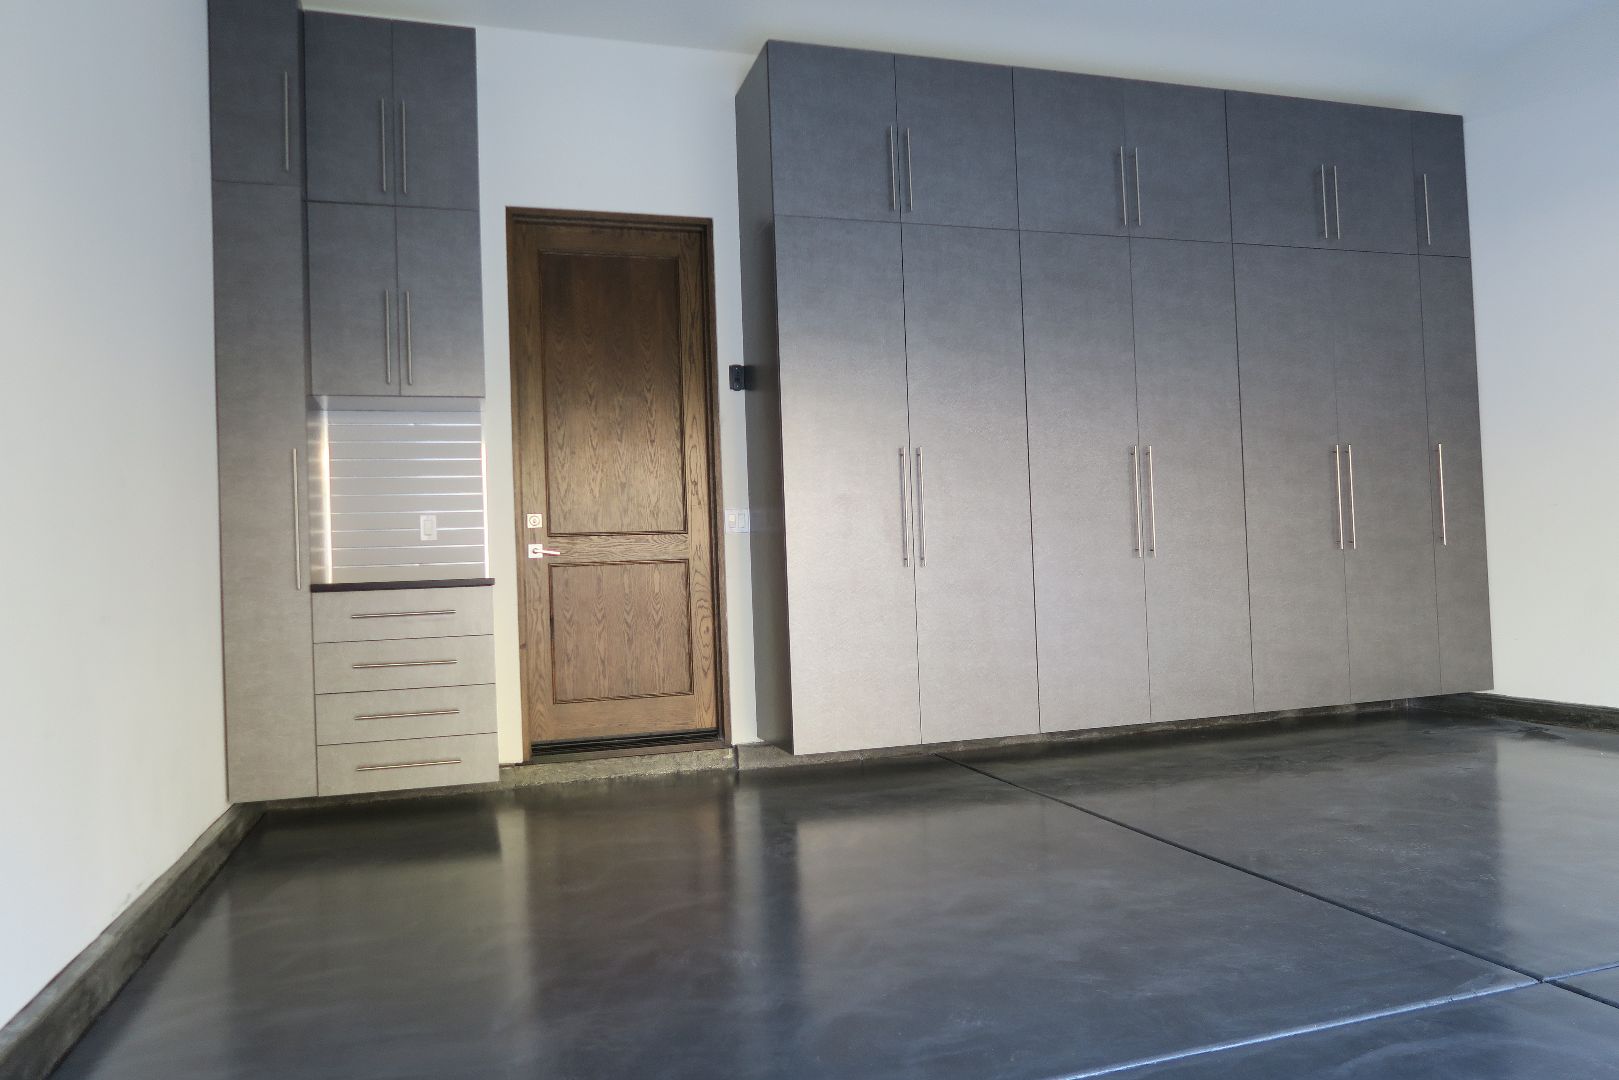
1320, 174
833, 141
1176, 139
440, 303
350, 110
354, 310
435, 76
958, 151
1440, 164
255, 88
1071, 171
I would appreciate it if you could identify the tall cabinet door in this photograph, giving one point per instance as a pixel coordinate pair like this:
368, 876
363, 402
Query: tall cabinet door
259, 353
974, 572
255, 91
1374, 206
435, 77
1176, 138
851, 587
354, 316
957, 144
350, 123
1191, 434
1458, 502
1089, 584
1285, 308
1440, 168
1383, 422
441, 314
834, 147
1070, 138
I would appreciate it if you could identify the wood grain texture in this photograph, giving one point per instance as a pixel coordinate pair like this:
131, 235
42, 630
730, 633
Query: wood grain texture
613, 441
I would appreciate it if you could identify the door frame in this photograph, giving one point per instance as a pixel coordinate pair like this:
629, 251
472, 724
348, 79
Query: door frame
703, 229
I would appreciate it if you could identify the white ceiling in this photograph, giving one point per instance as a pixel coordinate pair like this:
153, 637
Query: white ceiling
1398, 52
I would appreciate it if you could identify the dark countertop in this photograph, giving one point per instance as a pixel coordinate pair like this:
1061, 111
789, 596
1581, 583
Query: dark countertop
376, 586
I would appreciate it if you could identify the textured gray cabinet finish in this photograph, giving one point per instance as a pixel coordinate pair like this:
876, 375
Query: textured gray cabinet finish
349, 109
1070, 134
255, 91
1176, 136
833, 145
1191, 435
435, 78
974, 573
440, 303
1089, 576
1383, 421
845, 468
353, 317
415, 763
1285, 311
343, 667
958, 150
1284, 190
1458, 526
1440, 166
375, 715
259, 356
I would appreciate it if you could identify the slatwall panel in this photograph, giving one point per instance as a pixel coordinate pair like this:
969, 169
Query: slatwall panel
376, 474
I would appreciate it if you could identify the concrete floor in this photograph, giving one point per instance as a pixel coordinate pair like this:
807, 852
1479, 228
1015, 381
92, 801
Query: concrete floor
1392, 897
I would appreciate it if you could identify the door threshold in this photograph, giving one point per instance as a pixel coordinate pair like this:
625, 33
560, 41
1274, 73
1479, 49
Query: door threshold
587, 749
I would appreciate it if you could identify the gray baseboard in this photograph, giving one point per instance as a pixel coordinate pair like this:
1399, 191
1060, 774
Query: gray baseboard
1533, 710
36, 1039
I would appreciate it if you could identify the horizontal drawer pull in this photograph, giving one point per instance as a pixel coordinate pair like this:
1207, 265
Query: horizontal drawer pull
402, 715
401, 663
407, 765
400, 614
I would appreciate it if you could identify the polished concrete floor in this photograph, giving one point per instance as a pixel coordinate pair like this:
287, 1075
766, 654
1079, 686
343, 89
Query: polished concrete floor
1407, 896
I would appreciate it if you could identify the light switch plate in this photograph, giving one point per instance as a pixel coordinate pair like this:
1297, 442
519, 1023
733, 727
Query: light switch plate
535, 521
736, 520
429, 527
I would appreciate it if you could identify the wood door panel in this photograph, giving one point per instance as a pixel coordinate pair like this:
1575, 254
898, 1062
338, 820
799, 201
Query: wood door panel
620, 630
614, 452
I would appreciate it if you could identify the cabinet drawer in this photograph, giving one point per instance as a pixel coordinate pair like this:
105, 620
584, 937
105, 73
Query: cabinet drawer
376, 715
399, 764
403, 613
345, 666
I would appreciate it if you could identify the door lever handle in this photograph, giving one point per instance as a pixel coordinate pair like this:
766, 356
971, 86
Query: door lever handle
540, 551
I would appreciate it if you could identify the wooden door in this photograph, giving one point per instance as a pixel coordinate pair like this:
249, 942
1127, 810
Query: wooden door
612, 342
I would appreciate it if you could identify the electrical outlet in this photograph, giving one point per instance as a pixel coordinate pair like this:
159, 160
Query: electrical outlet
429, 527
736, 520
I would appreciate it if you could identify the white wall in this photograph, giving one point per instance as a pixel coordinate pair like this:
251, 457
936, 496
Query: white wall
111, 735
583, 124
1543, 174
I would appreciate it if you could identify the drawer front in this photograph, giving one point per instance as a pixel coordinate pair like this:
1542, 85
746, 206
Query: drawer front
345, 666
399, 764
403, 613
378, 715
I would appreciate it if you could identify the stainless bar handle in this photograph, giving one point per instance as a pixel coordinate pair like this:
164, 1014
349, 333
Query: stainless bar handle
1326, 222
1427, 211
904, 517
1444, 517
1124, 193
408, 715
1152, 508
1337, 205
286, 121
1338, 484
297, 530
382, 134
910, 174
401, 663
404, 152
1135, 477
388, 337
410, 351
1137, 155
408, 765
399, 614
1354, 530
921, 524
893, 169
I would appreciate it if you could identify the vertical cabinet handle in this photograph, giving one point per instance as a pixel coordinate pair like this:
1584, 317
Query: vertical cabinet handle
1337, 206
387, 336
297, 530
893, 177
404, 152
1354, 529
910, 174
382, 137
1444, 517
1124, 194
921, 522
1326, 222
904, 517
286, 120
1136, 154
1152, 508
1338, 485
1427, 211
1135, 479
410, 360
